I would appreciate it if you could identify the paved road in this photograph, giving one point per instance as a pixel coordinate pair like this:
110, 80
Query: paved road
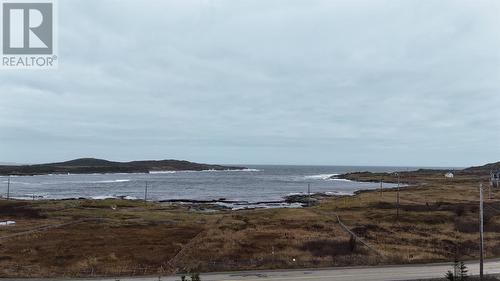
380, 273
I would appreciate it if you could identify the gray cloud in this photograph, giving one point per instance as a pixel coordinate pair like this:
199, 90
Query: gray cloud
300, 82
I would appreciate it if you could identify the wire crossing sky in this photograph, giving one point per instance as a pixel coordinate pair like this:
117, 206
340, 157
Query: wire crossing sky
263, 82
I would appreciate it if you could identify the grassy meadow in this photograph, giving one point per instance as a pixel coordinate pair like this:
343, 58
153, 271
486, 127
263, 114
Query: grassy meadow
438, 221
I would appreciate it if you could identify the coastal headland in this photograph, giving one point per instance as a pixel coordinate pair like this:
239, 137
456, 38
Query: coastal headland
100, 166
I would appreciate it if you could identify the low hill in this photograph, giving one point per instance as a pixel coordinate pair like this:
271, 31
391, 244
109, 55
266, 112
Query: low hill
485, 168
411, 177
92, 165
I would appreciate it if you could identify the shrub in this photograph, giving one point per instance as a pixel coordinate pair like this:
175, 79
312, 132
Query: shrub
459, 272
352, 243
459, 210
323, 248
194, 277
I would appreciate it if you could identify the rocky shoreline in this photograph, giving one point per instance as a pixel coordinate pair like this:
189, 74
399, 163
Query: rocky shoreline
221, 204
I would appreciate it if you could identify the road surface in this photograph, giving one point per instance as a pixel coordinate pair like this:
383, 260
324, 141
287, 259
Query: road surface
378, 273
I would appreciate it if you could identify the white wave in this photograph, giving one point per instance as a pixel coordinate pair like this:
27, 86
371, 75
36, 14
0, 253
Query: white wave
321, 176
112, 181
102, 197
19, 182
98, 197
338, 193
234, 170
23, 197
96, 174
345, 180
295, 193
238, 170
330, 193
203, 171
236, 207
247, 170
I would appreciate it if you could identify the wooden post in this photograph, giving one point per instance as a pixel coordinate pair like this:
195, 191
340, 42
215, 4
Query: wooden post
481, 238
146, 192
8, 187
309, 195
380, 187
397, 200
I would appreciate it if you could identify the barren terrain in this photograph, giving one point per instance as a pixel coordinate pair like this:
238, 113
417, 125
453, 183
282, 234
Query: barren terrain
438, 221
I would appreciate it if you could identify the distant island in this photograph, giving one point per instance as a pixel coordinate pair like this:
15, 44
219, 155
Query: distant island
100, 166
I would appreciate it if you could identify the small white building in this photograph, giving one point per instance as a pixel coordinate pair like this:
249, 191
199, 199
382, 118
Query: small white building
449, 175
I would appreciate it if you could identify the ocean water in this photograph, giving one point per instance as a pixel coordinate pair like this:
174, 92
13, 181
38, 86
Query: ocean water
258, 183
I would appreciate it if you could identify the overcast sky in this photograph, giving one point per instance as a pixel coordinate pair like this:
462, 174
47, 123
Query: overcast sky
263, 82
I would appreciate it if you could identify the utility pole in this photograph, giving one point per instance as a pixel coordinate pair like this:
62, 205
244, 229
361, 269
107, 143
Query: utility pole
492, 179
397, 199
481, 238
309, 194
380, 186
146, 192
8, 187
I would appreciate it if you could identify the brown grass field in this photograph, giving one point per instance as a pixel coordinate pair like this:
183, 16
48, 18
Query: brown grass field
438, 221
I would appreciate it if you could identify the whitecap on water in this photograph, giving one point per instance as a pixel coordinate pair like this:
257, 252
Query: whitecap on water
111, 181
103, 197
321, 176
204, 171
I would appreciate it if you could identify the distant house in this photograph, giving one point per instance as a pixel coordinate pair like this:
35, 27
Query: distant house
449, 175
